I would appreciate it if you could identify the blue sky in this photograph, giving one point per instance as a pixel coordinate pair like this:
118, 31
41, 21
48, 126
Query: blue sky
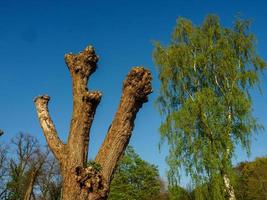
35, 35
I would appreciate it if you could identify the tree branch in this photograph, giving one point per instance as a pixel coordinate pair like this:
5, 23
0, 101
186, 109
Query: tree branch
85, 102
136, 88
34, 172
52, 139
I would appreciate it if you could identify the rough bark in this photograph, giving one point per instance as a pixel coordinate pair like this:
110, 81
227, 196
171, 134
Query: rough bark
80, 181
135, 90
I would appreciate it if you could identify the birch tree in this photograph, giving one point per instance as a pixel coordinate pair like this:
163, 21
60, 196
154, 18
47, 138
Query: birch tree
207, 73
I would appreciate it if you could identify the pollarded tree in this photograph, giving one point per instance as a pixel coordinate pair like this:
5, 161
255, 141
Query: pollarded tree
80, 181
206, 74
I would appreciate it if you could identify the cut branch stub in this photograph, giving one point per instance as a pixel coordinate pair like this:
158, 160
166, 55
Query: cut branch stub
138, 82
92, 97
84, 63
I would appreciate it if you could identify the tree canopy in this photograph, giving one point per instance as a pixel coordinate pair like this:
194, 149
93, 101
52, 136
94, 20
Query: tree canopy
134, 179
27, 166
206, 74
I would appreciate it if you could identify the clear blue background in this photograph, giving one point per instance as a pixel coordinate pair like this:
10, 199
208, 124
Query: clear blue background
35, 35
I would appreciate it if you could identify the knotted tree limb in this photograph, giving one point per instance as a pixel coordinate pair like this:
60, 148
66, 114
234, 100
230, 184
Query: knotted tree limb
80, 181
85, 102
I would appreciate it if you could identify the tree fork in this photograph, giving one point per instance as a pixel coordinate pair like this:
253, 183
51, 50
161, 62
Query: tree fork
80, 181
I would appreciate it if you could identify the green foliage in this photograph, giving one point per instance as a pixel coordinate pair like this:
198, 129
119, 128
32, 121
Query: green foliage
206, 73
134, 179
252, 180
179, 193
18, 182
95, 165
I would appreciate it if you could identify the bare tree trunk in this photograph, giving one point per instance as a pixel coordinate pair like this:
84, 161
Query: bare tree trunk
80, 181
34, 172
227, 183
28, 192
